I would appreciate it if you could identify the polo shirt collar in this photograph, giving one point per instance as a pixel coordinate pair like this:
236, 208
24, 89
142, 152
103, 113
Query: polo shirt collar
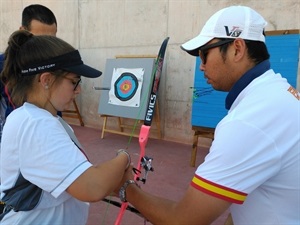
246, 79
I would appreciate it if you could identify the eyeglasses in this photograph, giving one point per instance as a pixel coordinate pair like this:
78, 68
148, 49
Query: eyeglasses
203, 51
74, 82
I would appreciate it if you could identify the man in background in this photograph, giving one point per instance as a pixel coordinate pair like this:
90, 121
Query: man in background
39, 20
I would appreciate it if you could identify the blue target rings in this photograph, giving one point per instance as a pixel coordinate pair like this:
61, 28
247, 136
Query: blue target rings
126, 86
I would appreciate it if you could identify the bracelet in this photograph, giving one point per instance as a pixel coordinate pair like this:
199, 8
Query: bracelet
122, 192
128, 157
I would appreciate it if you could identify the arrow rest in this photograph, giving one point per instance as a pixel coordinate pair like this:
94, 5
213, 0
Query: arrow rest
146, 164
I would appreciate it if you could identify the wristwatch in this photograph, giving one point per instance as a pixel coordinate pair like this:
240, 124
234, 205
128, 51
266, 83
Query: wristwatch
122, 191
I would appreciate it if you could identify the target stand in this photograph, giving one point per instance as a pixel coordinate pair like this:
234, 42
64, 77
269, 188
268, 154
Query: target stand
73, 113
127, 127
128, 119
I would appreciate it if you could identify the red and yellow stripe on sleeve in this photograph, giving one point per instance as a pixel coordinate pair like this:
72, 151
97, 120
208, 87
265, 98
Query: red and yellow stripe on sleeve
218, 191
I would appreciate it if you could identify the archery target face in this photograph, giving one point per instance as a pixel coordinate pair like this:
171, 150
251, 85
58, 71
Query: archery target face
126, 86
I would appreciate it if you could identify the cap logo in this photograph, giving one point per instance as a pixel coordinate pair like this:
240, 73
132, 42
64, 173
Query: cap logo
38, 68
59, 62
234, 32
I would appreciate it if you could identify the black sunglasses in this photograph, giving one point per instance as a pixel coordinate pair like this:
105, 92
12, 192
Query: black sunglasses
75, 83
203, 51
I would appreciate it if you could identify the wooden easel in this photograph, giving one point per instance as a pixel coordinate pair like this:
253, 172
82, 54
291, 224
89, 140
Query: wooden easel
205, 132
131, 130
73, 113
122, 126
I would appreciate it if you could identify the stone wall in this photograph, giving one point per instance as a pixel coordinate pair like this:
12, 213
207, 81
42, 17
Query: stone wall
102, 29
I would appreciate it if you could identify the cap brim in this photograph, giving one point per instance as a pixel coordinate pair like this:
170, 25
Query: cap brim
84, 70
192, 46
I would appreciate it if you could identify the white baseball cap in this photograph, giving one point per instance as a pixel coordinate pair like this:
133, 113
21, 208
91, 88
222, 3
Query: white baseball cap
231, 22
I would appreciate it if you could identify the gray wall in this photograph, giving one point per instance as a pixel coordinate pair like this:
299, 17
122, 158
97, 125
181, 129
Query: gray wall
102, 29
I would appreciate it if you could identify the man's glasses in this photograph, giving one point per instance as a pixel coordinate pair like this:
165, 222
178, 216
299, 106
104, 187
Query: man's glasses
74, 82
203, 51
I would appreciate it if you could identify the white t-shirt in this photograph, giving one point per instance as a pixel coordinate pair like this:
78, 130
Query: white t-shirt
36, 145
254, 159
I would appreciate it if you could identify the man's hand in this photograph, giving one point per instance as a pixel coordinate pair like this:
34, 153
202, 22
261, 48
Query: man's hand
128, 175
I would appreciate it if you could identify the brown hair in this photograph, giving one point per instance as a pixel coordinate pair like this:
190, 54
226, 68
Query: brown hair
25, 49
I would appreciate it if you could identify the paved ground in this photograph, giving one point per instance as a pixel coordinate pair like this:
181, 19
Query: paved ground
170, 179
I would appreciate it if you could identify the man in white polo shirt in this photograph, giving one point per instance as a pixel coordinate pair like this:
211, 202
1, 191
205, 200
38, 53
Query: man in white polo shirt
253, 163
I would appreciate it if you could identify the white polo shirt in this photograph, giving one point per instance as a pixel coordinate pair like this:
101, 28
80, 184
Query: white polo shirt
36, 146
254, 159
